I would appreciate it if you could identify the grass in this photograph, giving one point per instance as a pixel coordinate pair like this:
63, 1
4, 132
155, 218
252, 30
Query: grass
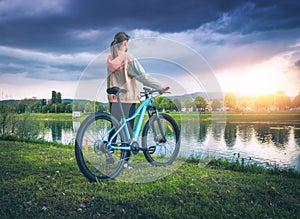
53, 116
43, 181
285, 117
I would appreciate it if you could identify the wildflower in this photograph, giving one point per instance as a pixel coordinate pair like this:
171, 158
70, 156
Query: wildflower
228, 191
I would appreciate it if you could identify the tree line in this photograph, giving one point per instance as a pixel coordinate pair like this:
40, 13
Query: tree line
278, 100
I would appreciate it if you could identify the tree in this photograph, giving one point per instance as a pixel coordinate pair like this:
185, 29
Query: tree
296, 101
265, 101
36, 107
216, 104
58, 98
88, 107
230, 101
177, 104
187, 102
53, 98
281, 100
75, 105
200, 103
158, 101
165, 104
21, 107
46, 108
68, 108
43, 102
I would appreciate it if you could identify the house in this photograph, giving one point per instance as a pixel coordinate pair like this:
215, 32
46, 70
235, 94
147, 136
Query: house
76, 113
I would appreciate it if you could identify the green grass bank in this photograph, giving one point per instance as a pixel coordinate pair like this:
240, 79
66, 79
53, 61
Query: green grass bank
284, 117
43, 181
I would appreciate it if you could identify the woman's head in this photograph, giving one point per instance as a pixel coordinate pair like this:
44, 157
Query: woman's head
118, 41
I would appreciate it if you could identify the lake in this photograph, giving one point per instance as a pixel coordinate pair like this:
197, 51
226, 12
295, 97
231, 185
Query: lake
260, 143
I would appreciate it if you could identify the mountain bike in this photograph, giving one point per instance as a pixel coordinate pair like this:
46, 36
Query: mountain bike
103, 144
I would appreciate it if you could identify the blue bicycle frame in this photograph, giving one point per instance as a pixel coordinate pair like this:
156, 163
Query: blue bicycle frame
142, 110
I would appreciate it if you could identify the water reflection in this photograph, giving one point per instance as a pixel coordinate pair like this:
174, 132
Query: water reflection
59, 131
202, 132
297, 137
245, 132
262, 133
230, 134
217, 131
280, 137
277, 143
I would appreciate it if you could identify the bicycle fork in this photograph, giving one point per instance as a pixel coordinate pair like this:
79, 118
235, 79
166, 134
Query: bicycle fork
159, 136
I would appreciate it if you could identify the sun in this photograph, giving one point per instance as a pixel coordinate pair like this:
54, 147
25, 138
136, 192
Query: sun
261, 79
257, 79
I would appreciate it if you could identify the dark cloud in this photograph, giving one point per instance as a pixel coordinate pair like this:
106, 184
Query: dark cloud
260, 16
163, 16
50, 30
66, 27
297, 63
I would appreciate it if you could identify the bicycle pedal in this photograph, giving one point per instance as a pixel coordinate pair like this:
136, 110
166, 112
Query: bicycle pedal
151, 150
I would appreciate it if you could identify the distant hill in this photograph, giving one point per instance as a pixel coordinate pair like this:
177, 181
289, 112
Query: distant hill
63, 101
202, 94
215, 95
181, 97
8, 101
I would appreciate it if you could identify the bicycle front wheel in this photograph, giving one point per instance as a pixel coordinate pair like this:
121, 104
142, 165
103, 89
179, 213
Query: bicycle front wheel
95, 160
161, 140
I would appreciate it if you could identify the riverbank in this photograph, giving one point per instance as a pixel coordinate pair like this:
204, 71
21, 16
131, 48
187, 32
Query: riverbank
43, 181
282, 117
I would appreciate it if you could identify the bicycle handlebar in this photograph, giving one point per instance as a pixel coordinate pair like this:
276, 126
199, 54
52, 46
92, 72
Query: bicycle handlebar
148, 91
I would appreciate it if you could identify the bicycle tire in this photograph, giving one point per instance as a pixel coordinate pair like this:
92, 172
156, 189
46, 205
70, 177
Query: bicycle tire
94, 159
164, 153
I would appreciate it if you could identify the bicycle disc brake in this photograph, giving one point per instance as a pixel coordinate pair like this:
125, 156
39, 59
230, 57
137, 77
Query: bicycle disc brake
100, 146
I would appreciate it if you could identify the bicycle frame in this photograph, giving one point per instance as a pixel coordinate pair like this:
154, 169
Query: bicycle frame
142, 110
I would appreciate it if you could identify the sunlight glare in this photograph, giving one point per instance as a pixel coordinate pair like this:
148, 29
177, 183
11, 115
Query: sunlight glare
262, 78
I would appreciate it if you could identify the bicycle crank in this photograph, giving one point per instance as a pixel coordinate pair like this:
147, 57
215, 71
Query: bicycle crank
135, 147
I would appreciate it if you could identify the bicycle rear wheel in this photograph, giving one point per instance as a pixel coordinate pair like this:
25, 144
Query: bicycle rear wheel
95, 160
161, 137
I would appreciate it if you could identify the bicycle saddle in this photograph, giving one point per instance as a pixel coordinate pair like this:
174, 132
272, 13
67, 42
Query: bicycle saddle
115, 90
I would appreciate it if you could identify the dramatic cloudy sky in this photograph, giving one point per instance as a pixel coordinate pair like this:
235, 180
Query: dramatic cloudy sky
252, 47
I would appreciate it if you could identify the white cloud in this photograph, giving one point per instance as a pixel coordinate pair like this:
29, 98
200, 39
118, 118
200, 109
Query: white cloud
19, 86
91, 34
76, 59
265, 77
255, 63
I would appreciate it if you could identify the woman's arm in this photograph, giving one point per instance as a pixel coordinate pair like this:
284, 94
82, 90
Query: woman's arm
136, 70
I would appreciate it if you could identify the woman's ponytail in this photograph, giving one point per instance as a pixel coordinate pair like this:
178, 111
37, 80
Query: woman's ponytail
115, 44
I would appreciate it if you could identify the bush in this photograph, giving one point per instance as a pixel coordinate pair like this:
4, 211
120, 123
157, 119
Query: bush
27, 127
24, 126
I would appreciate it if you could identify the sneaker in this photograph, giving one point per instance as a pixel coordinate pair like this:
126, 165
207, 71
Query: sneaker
127, 166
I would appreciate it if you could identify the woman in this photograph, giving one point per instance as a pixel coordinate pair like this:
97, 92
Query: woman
123, 71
